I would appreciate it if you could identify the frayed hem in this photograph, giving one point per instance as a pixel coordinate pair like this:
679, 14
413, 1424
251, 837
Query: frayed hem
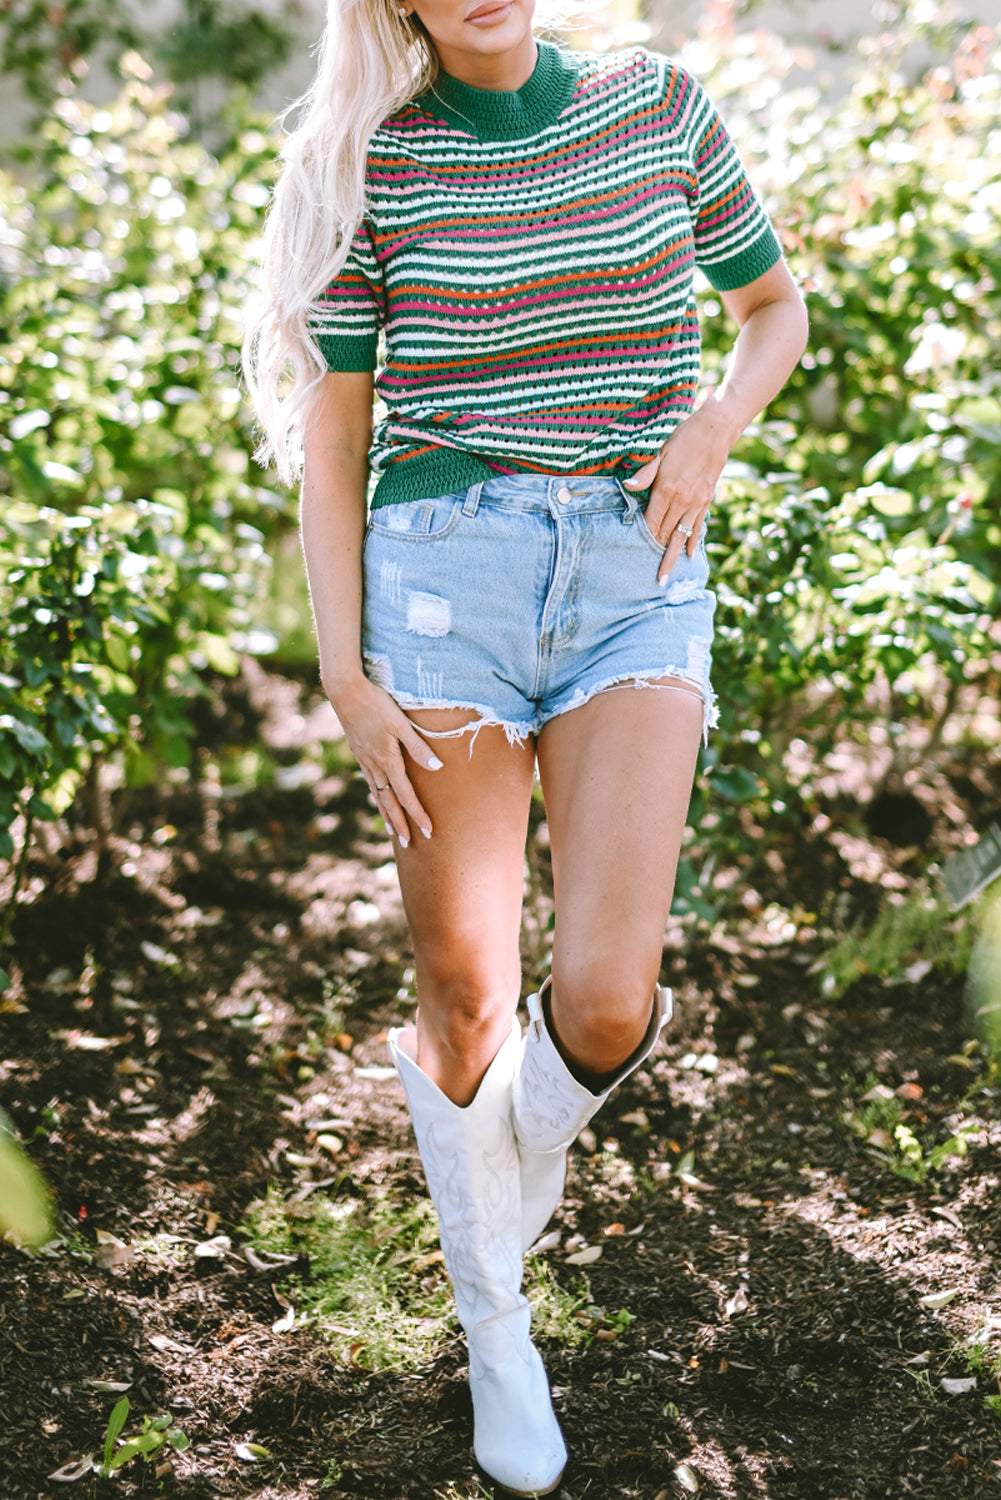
515, 732
643, 680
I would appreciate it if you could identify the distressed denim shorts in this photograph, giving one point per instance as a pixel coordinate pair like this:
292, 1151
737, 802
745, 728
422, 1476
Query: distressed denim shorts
524, 596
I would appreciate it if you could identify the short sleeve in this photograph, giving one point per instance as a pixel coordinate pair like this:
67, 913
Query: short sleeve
734, 239
346, 317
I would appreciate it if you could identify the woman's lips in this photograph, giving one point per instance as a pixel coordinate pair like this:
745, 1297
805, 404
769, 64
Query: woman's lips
490, 14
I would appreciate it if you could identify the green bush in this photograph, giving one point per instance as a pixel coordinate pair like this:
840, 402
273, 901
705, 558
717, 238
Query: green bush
131, 545
855, 542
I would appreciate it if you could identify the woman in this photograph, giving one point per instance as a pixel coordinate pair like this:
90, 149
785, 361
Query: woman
521, 225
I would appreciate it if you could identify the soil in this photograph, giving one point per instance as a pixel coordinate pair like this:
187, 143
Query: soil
796, 1302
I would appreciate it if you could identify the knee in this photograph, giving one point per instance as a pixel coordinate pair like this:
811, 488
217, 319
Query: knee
599, 1017
465, 1009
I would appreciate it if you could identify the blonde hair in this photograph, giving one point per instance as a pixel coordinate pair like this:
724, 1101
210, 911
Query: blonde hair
371, 61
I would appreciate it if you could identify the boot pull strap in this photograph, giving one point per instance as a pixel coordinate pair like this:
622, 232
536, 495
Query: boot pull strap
536, 1016
664, 1002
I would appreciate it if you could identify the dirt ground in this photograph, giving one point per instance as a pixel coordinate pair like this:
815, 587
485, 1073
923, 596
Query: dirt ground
796, 1303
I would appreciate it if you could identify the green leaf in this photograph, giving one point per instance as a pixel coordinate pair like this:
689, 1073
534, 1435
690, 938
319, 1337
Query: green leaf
116, 1422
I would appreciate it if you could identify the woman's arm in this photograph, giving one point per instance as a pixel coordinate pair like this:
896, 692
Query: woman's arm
332, 513
683, 477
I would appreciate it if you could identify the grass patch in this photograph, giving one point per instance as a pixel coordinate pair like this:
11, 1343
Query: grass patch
377, 1288
922, 928
555, 1308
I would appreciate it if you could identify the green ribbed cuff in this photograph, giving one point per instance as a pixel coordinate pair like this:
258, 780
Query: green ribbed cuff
346, 352
740, 270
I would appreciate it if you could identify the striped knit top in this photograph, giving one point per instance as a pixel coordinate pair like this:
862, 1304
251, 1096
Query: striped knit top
528, 259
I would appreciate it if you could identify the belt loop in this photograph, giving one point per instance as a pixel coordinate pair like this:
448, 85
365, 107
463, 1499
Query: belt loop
472, 500
632, 500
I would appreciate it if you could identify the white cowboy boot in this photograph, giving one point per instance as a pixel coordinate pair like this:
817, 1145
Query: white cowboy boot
551, 1109
473, 1173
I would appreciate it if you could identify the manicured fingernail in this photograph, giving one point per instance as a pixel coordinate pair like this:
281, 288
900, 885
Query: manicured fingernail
403, 841
434, 764
426, 832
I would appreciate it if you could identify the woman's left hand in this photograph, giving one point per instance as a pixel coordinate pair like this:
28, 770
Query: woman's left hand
682, 480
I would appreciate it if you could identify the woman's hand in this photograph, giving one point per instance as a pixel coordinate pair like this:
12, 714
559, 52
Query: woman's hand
380, 735
770, 314
682, 480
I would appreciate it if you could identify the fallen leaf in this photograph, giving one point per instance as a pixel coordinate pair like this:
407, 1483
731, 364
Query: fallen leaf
635, 1117
936, 1300
110, 1385
331, 1143
585, 1257
696, 1183
158, 955
880, 1138
738, 1302
960, 1386
252, 1258
282, 1325
879, 1093
83, 1041
546, 1242
251, 1453
163, 1342
214, 1249
910, 1091
687, 1478
588, 1140
614, 1230
75, 1469
111, 1251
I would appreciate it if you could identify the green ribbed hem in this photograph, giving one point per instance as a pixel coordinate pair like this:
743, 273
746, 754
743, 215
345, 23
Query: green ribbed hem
445, 471
752, 262
347, 353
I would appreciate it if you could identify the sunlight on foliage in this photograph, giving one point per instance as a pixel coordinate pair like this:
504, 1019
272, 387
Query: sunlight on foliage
377, 1287
131, 549
855, 542
25, 1202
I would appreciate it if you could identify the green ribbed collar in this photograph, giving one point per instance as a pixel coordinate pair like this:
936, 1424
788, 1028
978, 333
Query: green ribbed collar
492, 115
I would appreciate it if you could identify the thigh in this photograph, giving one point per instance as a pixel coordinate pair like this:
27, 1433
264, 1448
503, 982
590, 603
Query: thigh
462, 892
617, 777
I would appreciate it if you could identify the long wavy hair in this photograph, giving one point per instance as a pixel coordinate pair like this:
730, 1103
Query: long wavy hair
371, 61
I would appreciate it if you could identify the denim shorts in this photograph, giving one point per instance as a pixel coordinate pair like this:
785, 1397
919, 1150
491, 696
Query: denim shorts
522, 597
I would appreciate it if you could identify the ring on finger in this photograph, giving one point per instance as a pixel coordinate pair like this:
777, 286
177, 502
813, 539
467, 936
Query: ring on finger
686, 531
383, 787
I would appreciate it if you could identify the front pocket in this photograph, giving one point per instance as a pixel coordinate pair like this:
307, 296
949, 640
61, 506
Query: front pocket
647, 534
418, 520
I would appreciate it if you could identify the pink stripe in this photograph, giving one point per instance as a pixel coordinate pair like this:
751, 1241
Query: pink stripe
478, 231
497, 309
594, 366
598, 148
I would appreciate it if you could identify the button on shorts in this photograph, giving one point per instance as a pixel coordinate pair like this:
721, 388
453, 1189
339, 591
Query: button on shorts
521, 598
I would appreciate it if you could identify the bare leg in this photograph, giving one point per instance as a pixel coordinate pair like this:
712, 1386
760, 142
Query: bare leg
617, 777
462, 891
